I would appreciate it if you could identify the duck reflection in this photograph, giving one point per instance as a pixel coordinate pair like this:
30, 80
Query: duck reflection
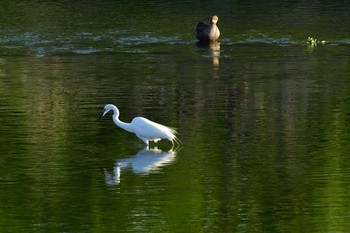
144, 162
214, 48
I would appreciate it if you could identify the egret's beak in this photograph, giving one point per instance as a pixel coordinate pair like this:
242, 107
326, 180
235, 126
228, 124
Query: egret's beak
103, 112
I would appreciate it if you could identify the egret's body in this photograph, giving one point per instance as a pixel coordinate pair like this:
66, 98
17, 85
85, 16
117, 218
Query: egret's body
144, 129
205, 32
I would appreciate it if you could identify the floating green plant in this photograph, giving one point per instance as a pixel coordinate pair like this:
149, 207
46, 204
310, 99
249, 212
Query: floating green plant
312, 42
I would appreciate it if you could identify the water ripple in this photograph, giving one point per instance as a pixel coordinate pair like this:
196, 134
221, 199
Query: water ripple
87, 42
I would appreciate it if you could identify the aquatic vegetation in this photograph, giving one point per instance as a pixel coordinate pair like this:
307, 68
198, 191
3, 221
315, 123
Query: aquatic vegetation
312, 42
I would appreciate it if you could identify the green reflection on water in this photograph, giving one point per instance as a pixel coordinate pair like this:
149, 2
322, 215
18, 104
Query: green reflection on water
264, 133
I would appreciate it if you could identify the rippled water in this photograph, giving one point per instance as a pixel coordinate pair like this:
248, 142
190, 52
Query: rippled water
90, 27
263, 117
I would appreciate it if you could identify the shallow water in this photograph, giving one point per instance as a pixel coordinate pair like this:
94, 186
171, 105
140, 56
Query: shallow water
263, 117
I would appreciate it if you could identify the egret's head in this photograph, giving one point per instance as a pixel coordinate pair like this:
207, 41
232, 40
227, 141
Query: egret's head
102, 113
106, 109
214, 19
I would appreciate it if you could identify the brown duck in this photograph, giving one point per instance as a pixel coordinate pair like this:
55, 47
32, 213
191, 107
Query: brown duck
205, 32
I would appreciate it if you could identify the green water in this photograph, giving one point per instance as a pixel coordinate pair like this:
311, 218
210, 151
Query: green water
262, 116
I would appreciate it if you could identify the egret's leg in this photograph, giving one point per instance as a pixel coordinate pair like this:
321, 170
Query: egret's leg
143, 139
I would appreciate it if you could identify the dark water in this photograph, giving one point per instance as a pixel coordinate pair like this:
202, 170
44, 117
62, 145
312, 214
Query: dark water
263, 117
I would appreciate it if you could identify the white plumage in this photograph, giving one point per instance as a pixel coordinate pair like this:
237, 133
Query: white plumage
144, 129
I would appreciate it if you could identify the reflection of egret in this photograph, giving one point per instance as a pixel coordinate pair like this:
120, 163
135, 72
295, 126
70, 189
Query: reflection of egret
214, 47
144, 162
145, 129
205, 32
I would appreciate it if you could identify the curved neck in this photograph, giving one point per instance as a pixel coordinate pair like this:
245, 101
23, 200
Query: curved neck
120, 123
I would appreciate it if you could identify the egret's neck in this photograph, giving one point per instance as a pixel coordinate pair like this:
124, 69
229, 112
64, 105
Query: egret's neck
121, 124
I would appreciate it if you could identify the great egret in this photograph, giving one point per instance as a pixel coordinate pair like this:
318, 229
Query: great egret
205, 32
144, 129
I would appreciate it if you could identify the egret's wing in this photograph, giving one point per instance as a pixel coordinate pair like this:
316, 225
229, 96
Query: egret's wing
149, 129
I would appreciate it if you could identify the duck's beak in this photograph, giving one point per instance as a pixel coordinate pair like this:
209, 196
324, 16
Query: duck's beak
102, 113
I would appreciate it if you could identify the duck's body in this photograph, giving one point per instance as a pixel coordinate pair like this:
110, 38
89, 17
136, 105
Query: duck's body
205, 32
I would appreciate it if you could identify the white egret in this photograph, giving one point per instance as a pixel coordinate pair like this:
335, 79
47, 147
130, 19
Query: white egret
205, 32
144, 129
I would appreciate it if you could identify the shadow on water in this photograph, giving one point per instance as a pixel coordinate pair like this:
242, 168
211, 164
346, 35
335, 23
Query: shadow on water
143, 163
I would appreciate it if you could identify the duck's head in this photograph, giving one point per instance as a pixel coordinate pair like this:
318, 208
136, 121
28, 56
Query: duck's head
214, 19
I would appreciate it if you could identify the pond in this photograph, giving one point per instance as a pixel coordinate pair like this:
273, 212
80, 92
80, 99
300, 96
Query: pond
263, 117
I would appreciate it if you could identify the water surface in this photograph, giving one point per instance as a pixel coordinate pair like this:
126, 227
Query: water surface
263, 117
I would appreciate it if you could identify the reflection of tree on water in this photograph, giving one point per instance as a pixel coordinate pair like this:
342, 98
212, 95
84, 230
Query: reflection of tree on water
144, 162
214, 48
